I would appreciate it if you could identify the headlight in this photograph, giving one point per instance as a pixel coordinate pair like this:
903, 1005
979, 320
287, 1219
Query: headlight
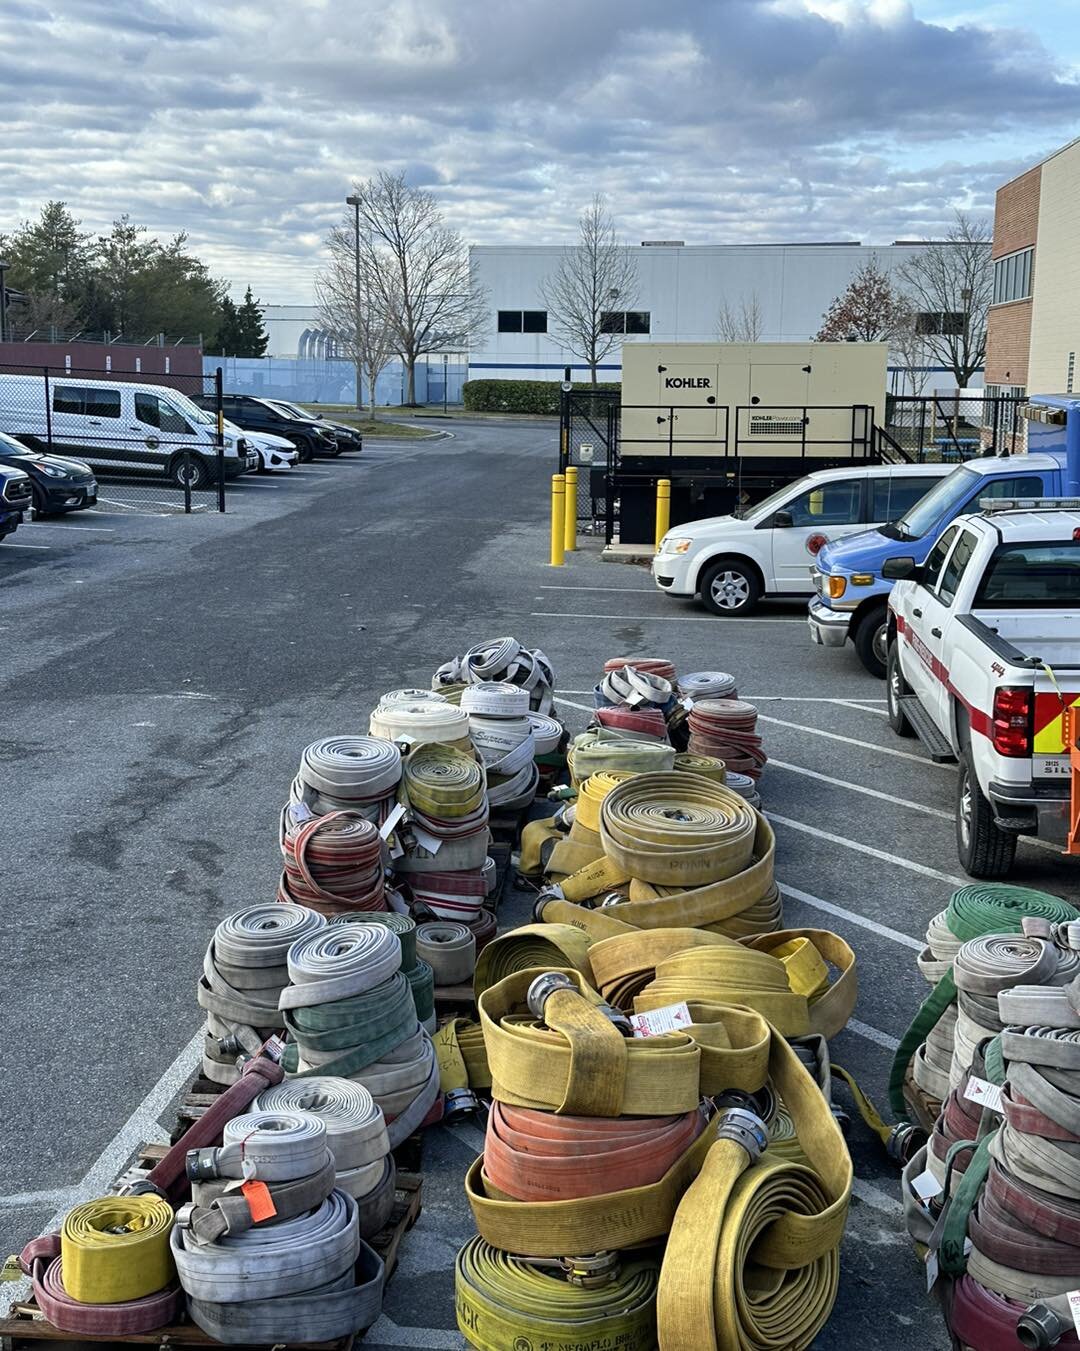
837, 587
52, 471
675, 546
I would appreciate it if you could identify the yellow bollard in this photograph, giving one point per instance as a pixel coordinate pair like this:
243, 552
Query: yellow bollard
571, 508
558, 519
663, 508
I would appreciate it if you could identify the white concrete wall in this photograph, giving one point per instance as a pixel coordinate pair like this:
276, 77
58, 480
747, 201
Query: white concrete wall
1055, 308
683, 289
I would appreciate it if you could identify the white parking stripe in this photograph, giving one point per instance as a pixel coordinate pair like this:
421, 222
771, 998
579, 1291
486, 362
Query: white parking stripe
88, 529
856, 701
854, 741
838, 911
872, 1034
881, 855
29, 546
663, 619
617, 590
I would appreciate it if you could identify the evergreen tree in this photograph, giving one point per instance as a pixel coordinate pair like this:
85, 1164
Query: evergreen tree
254, 337
230, 336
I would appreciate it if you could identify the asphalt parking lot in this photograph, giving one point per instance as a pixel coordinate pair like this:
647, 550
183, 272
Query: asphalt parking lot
162, 676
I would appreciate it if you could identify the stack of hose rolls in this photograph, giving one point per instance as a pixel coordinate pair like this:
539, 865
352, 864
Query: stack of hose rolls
502, 733
244, 972
332, 863
726, 728
707, 685
348, 773
920, 1078
109, 1271
280, 1258
356, 1136
502, 660
415, 969
446, 837
425, 721
350, 1014
449, 949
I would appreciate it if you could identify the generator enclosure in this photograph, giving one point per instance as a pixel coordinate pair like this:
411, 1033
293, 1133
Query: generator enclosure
731, 422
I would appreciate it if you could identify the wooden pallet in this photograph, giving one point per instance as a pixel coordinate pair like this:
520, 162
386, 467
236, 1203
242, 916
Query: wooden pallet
27, 1326
455, 1000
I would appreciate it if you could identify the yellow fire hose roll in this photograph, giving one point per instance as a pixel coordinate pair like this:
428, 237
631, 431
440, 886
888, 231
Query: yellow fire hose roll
504, 1301
752, 1261
706, 765
831, 1008
577, 1061
116, 1249
734, 1044
729, 975
604, 749
462, 1056
623, 965
533, 945
442, 781
677, 829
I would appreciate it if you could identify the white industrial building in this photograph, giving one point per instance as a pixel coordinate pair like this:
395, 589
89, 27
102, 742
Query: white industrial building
681, 290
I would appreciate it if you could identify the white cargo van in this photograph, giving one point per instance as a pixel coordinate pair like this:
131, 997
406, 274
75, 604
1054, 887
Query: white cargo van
121, 426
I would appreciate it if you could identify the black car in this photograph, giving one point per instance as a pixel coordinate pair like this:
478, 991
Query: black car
348, 438
58, 484
259, 415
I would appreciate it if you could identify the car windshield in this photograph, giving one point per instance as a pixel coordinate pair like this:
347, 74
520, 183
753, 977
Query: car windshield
282, 409
9, 446
191, 410
774, 500
943, 498
289, 409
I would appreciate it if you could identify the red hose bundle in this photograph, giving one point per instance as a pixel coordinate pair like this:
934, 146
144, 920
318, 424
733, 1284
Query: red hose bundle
648, 720
725, 728
450, 895
333, 863
657, 666
484, 927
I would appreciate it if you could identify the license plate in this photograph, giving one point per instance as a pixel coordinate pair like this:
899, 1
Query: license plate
1051, 766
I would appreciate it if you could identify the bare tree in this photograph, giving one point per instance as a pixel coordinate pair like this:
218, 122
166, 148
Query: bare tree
418, 271
591, 290
351, 307
869, 309
949, 285
741, 323
909, 346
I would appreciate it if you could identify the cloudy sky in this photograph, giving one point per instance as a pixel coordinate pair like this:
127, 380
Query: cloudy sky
712, 121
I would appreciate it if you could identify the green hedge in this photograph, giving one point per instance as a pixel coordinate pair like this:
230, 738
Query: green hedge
520, 396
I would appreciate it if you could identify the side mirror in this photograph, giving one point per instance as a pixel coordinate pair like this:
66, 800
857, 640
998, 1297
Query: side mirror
900, 570
782, 520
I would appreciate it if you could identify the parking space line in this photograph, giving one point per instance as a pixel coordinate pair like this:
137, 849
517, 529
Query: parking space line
29, 546
865, 792
882, 930
882, 855
87, 529
664, 619
618, 590
873, 1034
812, 699
854, 741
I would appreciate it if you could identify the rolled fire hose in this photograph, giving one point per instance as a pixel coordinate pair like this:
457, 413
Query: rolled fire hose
453, 895
41, 1261
657, 666
505, 1301
403, 925
343, 1036
343, 772
426, 721
591, 752
277, 1146
649, 720
496, 699
449, 949
634, 688
746, 1213
725, 728
409, 696
729, 976
337, 963
532, 945
625, 963
707, 685
547, 733
581, 846
706, 766
577, 1061
503, 659
332, 862
355, 1127
115, 1250
421, 980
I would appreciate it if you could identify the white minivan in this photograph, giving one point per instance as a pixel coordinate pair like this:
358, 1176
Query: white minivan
121, 426
769, 548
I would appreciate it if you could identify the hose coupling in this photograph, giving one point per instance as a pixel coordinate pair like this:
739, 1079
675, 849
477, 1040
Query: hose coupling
541, 901
904, 1142
459, 1102
760, 1104
590, 1272
542, 987
142, 1187
745, 1128
201, 1165
1039, 1327
620, 1020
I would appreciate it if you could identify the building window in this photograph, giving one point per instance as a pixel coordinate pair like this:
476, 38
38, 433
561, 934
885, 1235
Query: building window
523, 321
932, 323
625, 321
1012, 276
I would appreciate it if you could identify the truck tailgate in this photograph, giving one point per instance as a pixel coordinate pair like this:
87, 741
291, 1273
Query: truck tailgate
1050, 758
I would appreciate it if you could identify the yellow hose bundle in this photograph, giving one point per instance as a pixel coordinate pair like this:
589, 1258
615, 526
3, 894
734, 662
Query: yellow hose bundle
832, 1005
462, 1056
442, 781
591, 752
623, 965
729, 975
578, 1062
734, 1045
116, 1249
752, 1262
708, 766
544, 945
582, 845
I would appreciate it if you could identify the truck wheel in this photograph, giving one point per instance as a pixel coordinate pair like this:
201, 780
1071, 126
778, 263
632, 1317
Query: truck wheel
730, 587
895, 689
984, 849
871, 638
191, 471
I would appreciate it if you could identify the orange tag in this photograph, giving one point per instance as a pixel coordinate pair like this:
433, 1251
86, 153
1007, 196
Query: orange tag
260, 1202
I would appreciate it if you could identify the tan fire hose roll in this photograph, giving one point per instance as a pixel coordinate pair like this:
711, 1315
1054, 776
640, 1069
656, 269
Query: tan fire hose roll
752, 1260
579, 1062
597, 924
729, 975
622, 966
532, 945
677, 829
830, 1009
734, 1045
449, 949
587, 1224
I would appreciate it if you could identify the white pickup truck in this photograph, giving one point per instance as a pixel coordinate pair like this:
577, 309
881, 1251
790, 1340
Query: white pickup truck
983, 658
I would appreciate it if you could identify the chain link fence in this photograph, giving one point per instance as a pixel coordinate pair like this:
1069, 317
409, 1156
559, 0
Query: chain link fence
119, 440
951, 428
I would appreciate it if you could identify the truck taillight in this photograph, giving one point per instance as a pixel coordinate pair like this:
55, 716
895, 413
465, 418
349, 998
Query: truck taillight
1011, 733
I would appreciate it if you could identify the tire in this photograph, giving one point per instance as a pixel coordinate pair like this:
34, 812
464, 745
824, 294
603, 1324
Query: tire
38, 503
870, 640
730, 588
197, 474
303, 449
983, 848
895, 688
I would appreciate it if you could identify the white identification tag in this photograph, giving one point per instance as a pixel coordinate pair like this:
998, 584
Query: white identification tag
671, 1018
1073, 1297
984, 1093
431, 843
391, 821
925, 1186
931, 1270
300, 811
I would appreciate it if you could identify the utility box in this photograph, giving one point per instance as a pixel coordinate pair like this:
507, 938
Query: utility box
732, 422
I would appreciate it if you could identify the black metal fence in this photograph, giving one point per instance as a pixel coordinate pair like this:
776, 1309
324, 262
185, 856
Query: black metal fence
131, 444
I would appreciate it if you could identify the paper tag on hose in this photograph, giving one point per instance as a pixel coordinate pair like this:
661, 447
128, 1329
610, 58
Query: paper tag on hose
984, 1093
300, 811
386, 829
671, 1018
1073, 1296
931, 1270
260, 1202
925, 1186
431, 843
11, 1271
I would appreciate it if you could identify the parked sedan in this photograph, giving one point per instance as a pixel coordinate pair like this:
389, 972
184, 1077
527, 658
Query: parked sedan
348, 438
58, 484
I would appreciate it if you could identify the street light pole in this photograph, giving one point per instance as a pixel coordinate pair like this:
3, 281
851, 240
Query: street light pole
354, 202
